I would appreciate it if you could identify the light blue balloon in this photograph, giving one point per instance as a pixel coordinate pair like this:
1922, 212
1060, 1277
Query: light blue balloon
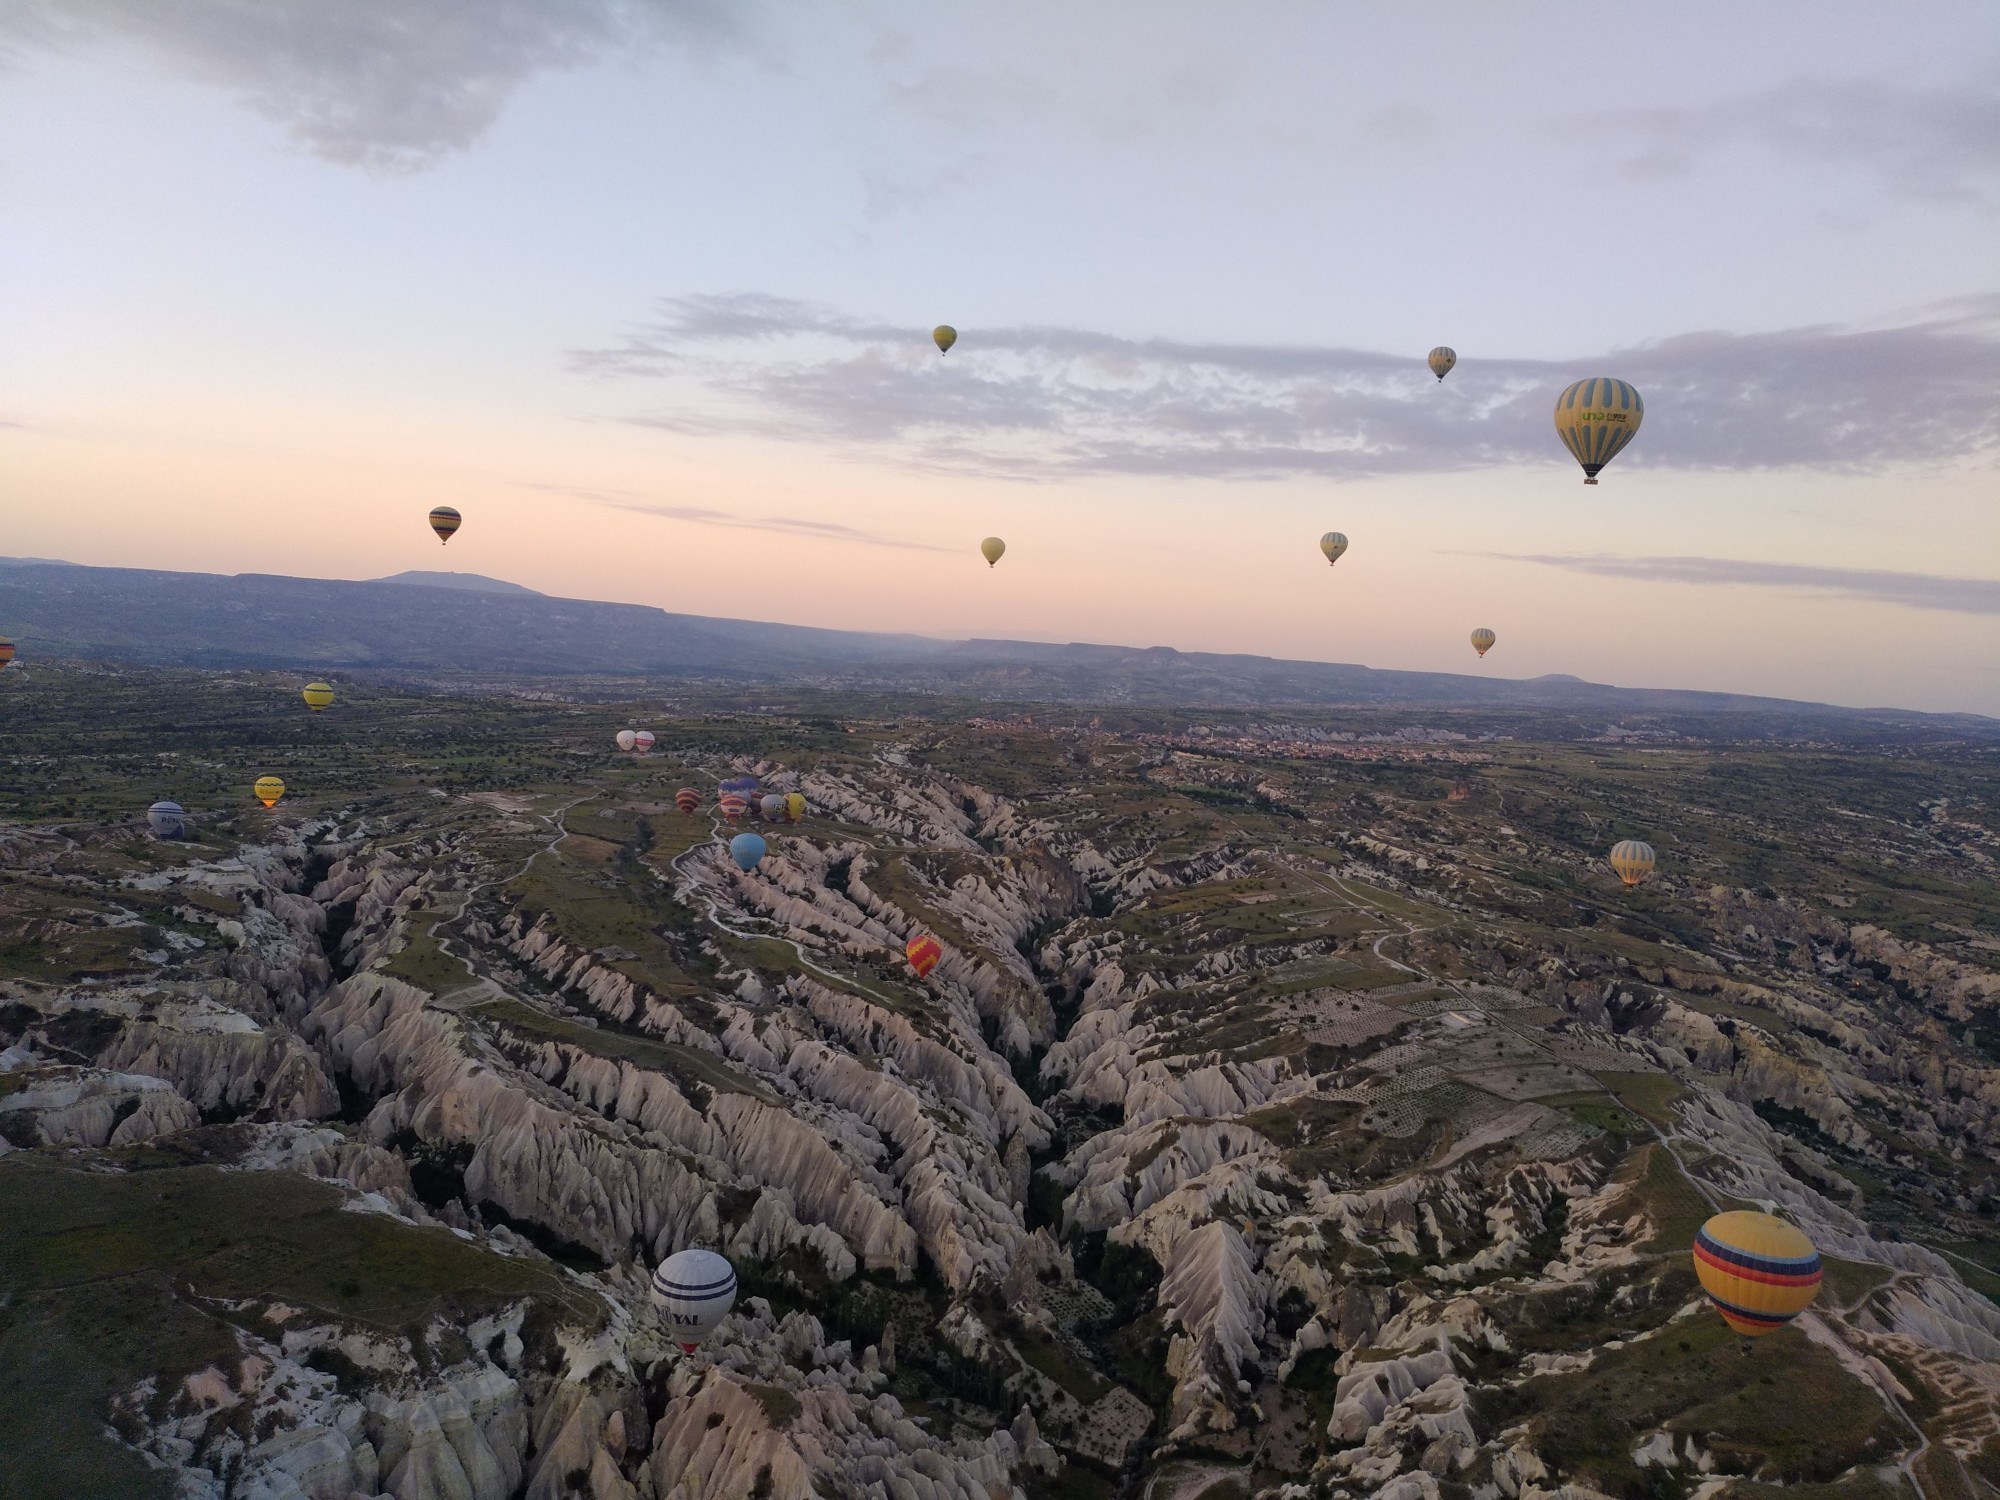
746, 849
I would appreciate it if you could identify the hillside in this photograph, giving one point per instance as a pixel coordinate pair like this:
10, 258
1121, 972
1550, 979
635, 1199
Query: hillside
418, 623
1291, 1112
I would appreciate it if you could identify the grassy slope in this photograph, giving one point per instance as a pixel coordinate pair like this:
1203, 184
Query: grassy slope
107, 1271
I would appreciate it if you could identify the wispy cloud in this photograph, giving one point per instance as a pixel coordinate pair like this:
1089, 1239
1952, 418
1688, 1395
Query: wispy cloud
1968, 596
697, 515
1938, 143
385, 84
1041, 402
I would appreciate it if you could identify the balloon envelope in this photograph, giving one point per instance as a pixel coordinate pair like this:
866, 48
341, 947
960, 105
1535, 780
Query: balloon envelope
1441, 361
1758, 1270
795, 805
694, 1290
269, 789
743, 786
444, 521
1596, 418
1333, 544
992, 549
6, 652
318, 696
167, 820
734, 804
746, 849
923, 954
687, 799
1632, 860
627, 739
1482, 640
643, 741
944, 336
772, 806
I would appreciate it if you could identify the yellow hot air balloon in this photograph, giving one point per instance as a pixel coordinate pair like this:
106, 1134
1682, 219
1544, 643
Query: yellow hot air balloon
795, 805
1483, 639
1596, 418
318, 696
445, 521
1333, 544
1441, 361
992, 549
944, 336
269, 789
1758, 1270
1632, 860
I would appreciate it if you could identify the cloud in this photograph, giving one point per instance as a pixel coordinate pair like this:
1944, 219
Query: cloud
1040, 402
1968, 596
384, 84
1939, 143
826, 531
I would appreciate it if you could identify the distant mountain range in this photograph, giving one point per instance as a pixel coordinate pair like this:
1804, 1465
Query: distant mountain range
461, 624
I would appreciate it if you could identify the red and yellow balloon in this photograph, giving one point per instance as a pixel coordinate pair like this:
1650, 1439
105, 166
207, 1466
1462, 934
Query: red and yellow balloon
923, 953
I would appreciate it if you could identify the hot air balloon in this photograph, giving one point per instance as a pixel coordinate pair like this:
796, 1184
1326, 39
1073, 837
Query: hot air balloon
168, 820
734, 805
318, 696
1441, 361
687, 799
642, 741
6, 652
1333, 544
627, 739
772, 806
1483, 639
923, 953
1596, 418
795, 806
1758, 1270
746, 849
269, 789
694, 1290
743, 786
444, 521
944, 336
1632, 860
992, 549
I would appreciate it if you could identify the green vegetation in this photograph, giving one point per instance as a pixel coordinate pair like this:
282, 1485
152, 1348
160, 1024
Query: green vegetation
1651, 1095
1672, 1206
114, 1276
695, 1071
1787, 1412
423, 963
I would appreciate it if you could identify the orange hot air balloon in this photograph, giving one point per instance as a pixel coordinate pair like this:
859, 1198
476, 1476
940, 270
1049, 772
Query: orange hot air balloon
687, 799
923, 954
734, 805
6, 652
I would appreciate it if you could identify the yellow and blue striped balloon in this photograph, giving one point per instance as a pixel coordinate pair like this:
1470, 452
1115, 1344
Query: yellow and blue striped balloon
1596, 418
1759, 1271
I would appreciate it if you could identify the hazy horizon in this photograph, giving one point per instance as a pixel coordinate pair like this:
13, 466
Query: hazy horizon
645, 291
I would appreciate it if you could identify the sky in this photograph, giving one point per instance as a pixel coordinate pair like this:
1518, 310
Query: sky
644, 288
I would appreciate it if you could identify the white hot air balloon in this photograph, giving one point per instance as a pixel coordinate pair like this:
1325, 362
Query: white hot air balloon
627, 739
694, 1290
643, 740
1333, 544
